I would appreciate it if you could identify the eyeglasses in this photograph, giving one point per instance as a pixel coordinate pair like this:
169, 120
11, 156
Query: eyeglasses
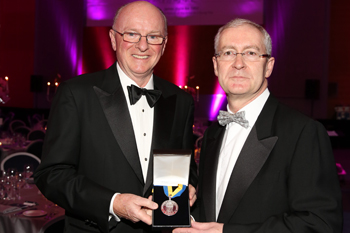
230, 55
134, 37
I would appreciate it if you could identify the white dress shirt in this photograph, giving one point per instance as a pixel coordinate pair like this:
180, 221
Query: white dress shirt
232, 144
142, 121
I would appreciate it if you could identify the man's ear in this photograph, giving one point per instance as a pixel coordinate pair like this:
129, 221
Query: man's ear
164, 44
269, 67
215, 64
112, 37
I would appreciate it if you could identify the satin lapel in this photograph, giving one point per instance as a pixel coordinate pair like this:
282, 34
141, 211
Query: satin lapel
162, 127
117, 113
255, 151
212, 152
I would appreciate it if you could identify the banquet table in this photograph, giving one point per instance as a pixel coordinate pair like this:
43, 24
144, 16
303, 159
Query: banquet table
10, 149
36, 219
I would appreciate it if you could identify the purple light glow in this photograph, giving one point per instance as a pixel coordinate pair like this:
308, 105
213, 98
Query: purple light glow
250, 7
216, 103
68, 38
183, 10
96, 13
98, 10
277, 28
182, 63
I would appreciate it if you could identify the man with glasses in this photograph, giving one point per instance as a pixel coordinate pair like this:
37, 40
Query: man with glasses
103, 127
263, 166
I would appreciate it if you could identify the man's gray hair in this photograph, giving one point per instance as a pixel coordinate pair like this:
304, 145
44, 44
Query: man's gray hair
239, 22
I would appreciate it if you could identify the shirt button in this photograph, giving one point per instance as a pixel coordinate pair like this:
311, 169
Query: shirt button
145, 159
144, 134
143, 110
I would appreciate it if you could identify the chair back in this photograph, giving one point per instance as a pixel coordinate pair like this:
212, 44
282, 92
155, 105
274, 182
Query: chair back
34, 119
36, 134
22, 130
18, 160
54, 227
198, 143
6, 122
42, 124
36, 148
16, 123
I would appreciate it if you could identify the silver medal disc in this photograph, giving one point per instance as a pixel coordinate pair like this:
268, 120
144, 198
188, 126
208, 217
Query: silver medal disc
169, 208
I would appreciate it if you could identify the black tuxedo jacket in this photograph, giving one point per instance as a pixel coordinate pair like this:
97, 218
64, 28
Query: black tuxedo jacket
284, 180
90, 150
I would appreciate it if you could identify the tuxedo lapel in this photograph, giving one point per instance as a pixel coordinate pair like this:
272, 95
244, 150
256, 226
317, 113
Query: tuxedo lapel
162, 126
213, 146
251, 159
254, 153
116, 111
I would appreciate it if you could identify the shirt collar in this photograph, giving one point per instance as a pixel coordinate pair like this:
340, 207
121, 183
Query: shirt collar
126, 81
253, 109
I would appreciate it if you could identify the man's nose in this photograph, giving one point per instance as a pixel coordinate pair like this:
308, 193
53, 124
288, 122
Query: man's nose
239, 63
142, 44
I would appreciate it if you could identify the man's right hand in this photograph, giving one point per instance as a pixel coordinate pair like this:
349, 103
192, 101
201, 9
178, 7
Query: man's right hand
134, 208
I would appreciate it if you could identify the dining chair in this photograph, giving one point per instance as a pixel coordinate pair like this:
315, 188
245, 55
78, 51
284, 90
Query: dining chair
36, 148
18, 160
23, 130
16, 123
54, 227
7, 119
41, 125
198, 143
34, 119
1, 154
36, 134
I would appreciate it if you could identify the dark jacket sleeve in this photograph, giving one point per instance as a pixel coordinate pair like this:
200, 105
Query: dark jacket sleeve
57, 176
313, 191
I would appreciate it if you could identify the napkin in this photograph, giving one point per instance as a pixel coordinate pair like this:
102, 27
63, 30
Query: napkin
5, 209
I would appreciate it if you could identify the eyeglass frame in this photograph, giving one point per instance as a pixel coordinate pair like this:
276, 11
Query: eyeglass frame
216, 55
122, 34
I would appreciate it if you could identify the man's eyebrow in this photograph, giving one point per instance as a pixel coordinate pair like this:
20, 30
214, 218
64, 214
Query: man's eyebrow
244, 48
252, 47
136, 31
228, 47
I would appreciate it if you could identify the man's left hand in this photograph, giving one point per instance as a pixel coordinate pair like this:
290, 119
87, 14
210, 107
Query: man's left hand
210, 227
192, 194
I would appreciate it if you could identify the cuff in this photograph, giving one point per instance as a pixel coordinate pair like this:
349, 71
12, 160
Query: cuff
111, 212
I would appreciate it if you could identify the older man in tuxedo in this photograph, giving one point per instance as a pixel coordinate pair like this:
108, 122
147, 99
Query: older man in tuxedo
263, 166
103, 126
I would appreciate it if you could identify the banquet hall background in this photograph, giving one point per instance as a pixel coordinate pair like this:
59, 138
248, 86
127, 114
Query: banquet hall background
40, 39
51, 41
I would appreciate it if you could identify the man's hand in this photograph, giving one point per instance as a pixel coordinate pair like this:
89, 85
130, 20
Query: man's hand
210, 227
192, 194
148, 211
134, 208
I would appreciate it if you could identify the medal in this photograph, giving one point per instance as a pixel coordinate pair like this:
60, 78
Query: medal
170, 207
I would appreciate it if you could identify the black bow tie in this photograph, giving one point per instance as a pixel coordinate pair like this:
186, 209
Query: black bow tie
135, 94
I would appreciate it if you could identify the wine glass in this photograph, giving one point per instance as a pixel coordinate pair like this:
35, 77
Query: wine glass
7, 184
11, 182
3, 191
21, 182
12, 173
28, 171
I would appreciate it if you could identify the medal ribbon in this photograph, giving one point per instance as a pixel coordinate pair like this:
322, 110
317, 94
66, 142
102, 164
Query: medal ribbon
168, 190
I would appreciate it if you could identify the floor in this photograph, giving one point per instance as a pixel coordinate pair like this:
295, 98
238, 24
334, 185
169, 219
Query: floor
342, 156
